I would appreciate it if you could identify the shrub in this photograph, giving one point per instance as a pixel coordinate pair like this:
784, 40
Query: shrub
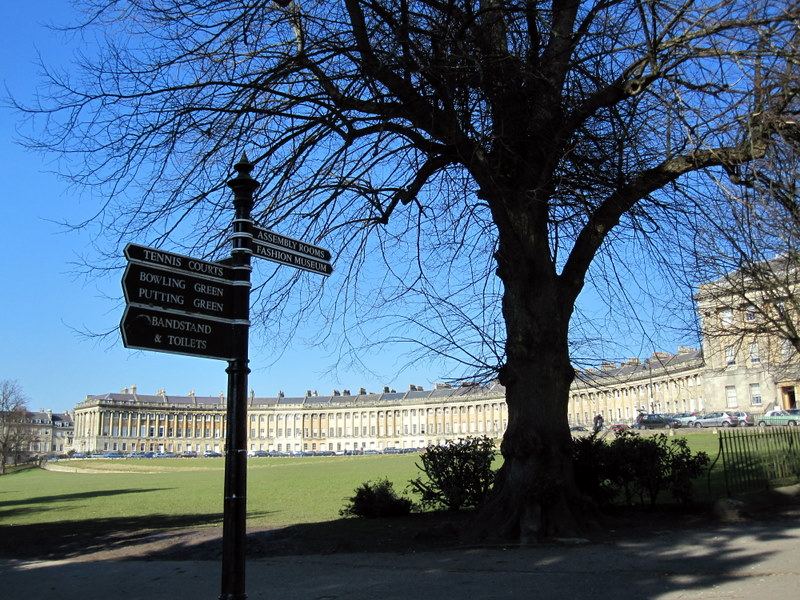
684, 467
374, 500
591, 457
636, 467
459, 474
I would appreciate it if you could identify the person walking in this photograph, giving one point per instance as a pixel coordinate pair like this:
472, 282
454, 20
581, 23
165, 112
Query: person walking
598, 423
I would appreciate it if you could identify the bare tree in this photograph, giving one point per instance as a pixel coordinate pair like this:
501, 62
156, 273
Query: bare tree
16, 433
466, 159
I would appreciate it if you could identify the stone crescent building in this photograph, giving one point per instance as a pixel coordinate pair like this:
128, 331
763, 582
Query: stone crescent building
341, 422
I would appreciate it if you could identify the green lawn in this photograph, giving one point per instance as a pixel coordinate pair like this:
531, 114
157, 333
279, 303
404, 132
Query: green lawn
280, 491
130, 493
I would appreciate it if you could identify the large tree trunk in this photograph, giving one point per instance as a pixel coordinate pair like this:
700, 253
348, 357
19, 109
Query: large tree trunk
535, 494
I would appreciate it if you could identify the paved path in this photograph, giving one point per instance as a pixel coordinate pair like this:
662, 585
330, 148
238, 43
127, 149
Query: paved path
746, 560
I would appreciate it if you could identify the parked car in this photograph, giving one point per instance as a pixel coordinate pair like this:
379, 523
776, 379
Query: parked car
686, 419
718, 418
657, 422
789, 417
211, 454
188, 454
578, 428
745, 419
258, 453
619, 427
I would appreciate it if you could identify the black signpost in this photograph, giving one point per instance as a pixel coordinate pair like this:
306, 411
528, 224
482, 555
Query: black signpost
183, 305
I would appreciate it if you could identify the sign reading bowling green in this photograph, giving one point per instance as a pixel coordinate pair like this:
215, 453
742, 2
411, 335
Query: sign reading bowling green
177, 304
165, 288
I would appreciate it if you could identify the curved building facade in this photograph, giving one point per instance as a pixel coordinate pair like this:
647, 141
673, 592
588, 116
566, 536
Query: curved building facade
341, 422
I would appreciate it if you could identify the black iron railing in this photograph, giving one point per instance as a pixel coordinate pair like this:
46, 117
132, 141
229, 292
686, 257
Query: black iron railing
756, 459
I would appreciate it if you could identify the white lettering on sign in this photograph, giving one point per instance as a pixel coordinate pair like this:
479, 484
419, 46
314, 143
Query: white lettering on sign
177, 324
289, 258
269, 237
162, 280
206, 268
276, 240
311, 250
160, 297
161, 258
208, 290
208, 305
187, 342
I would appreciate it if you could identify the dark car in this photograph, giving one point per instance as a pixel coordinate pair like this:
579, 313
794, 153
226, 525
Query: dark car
211, 454
657, 422
619, 427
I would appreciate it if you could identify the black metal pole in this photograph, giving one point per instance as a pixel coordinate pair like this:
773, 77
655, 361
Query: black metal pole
235, 508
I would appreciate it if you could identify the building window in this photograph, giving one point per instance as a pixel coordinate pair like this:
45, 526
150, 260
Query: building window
730, 355
750, 314
730, 396
755, 356
787, 350
755, 394
726, 317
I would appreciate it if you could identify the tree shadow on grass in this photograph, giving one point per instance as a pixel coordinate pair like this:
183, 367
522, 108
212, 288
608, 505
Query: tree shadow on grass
12, 508
57, 540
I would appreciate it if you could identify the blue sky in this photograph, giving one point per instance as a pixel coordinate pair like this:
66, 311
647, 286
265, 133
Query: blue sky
44, 305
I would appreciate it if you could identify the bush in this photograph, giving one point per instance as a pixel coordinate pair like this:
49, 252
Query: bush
459, 474
374, 500
591, 464
636, 467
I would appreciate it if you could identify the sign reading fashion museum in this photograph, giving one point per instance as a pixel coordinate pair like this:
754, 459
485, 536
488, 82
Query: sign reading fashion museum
177, 304
289, 251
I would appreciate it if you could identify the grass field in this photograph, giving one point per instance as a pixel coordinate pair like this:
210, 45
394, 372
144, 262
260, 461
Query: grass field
189, 492
280, 491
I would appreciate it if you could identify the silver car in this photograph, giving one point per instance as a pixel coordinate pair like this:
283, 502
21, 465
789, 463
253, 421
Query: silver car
717, 419
686, 419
